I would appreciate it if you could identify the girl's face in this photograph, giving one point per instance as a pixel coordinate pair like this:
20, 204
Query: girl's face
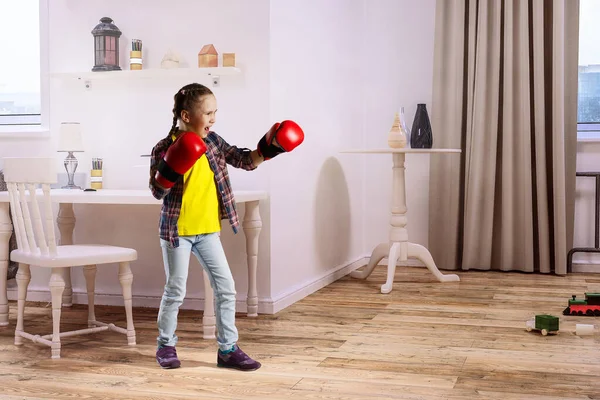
202, 117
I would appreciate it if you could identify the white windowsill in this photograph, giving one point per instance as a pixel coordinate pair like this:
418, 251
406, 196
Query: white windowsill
589, 140
588, 133
584, 136
24, 132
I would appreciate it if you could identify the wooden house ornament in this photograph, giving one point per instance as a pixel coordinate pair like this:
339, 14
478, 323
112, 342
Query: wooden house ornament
208, 57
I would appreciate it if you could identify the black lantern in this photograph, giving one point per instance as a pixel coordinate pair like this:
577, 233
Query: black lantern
106, 46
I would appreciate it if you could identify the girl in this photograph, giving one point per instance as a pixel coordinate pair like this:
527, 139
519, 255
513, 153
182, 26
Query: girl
190, 222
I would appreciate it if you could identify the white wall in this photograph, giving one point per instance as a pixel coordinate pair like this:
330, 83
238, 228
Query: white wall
317, 204
124, 120
134, 116
343, 79
399, 36
340, 68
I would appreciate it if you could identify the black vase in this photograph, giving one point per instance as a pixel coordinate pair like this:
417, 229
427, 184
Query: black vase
420, 134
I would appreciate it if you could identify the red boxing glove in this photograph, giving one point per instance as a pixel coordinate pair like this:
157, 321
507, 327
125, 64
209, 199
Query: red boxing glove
179, 158
281, 138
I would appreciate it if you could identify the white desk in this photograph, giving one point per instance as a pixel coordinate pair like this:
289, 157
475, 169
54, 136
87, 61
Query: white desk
399, 248
251, 225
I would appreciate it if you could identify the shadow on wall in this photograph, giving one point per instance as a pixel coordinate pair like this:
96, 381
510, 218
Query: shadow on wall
332, 216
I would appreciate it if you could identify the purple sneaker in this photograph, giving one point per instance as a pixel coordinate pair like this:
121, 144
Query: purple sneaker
166, 357
237, 359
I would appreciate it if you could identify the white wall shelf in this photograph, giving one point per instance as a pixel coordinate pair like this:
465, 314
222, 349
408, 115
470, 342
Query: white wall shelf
150, 73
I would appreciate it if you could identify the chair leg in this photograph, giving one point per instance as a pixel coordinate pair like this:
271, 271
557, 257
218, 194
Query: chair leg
89, 272
126, 280
57, 287
23, 278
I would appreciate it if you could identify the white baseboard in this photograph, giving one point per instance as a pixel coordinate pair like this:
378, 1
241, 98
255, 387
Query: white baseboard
190, 303
411, 262
266, 305
306, 288
578, 266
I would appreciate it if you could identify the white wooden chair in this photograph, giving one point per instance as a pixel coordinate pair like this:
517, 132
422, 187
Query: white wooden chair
37, 247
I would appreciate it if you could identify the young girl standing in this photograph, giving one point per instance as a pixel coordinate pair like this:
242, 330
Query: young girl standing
188, 171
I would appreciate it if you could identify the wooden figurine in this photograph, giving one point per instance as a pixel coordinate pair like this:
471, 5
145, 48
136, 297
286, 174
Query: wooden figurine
170, 60
229, 59
207, 57
396, 135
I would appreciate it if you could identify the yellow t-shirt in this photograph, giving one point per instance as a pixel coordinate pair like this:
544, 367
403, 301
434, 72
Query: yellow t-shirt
200, 204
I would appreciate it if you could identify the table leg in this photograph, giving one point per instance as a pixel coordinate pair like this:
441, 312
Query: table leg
399, 248
208, 316
5, 233
380, 252
252, 225
422, 254
66, 225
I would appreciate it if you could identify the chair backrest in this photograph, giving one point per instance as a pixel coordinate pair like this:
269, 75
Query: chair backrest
26, 175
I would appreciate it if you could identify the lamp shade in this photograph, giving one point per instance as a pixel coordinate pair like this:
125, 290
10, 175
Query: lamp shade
70, 137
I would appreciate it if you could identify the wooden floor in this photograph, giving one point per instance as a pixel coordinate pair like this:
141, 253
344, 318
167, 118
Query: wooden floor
425, 340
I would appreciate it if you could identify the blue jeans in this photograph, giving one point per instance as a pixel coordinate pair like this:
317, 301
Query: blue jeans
209, 251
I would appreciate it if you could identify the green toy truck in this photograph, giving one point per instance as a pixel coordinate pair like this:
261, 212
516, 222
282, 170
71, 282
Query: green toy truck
543, 322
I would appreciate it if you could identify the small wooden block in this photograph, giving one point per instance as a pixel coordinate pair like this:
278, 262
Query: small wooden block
229, 59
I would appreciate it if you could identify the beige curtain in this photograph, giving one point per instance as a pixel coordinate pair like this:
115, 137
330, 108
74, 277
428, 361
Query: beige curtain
505, 92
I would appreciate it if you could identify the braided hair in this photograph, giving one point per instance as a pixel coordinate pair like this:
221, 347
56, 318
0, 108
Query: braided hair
185, 99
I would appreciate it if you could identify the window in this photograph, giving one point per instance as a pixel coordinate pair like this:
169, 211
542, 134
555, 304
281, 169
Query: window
20, 68
588, 97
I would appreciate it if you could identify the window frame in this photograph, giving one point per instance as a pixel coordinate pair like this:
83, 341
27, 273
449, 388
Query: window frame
588, 131
42, 130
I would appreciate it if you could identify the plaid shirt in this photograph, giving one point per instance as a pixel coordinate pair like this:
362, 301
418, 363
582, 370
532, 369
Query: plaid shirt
219, 154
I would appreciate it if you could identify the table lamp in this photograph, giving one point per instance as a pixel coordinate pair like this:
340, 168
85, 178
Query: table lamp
70, 141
